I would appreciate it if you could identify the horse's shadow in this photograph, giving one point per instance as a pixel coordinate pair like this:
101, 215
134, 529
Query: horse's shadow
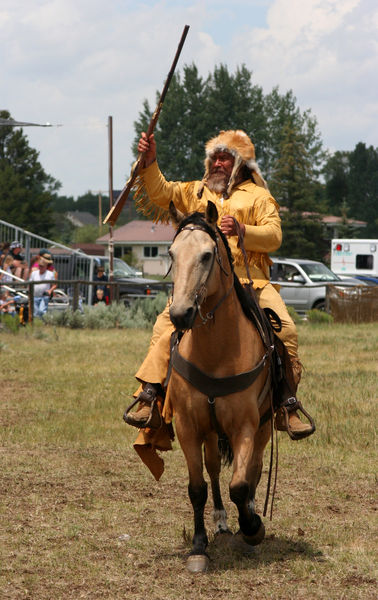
229, 551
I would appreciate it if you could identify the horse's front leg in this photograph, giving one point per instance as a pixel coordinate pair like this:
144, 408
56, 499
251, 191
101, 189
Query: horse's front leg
198, 497
243, 487
213, 467
198, 560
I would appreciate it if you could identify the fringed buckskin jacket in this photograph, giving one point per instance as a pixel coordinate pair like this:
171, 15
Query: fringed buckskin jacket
248, 203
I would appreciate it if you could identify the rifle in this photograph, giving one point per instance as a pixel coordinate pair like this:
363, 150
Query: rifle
114, 212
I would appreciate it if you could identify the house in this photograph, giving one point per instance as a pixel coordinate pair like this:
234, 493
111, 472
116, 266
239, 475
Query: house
146, 241
81, 219
88, 248
332, 223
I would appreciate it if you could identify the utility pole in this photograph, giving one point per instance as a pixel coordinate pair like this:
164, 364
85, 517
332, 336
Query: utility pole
99, 212
111, 245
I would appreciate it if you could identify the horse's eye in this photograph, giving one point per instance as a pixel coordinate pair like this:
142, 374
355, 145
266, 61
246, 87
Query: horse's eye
206, 257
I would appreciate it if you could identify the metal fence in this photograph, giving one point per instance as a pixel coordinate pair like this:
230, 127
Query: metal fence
353, 305
71, 265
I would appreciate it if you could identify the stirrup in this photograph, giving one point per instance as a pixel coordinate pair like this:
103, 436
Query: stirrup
147, 423
292, 404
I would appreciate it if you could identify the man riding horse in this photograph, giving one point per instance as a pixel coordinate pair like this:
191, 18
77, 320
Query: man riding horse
234, 183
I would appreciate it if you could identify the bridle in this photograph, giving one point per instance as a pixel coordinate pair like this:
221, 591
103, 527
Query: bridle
200, 294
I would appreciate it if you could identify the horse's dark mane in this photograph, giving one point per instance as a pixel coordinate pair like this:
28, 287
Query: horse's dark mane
198, 218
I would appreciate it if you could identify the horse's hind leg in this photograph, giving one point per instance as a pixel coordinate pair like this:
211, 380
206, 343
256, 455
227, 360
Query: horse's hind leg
213, 467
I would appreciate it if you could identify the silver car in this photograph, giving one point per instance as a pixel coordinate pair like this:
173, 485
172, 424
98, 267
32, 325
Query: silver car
303, 282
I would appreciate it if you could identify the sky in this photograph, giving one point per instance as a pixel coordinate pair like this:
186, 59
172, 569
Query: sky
74, 63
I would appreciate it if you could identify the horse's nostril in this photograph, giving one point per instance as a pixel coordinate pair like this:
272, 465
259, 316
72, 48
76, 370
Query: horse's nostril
182, 319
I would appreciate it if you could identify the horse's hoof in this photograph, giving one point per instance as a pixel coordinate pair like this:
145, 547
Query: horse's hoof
257, 538
197, 563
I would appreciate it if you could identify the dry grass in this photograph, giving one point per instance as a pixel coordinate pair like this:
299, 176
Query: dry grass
82, 518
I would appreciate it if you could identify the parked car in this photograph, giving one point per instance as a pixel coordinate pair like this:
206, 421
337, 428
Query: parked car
80, 266
300, 279
132, 286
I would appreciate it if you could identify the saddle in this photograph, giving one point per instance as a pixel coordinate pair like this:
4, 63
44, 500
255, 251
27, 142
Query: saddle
284, 386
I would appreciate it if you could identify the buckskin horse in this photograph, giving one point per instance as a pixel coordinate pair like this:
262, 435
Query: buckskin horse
219, 382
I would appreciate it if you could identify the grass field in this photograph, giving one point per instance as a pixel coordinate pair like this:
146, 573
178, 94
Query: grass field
81, 517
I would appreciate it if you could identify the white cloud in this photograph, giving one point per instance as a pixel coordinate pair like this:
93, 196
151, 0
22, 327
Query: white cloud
77, 61
326, 52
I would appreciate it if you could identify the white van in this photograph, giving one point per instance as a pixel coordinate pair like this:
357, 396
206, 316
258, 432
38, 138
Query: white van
357, 258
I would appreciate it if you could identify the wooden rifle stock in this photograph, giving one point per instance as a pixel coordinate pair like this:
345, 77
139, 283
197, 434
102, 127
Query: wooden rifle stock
115, 211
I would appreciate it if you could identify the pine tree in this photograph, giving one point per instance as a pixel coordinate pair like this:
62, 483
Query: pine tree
288, 144
292, 179
352, 188
196, 109
363, 187
26, 191
303, 237
336, 173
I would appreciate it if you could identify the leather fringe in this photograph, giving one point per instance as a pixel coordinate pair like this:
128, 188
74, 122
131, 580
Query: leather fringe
144, 205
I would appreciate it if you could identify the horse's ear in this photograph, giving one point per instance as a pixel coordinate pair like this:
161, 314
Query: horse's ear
176, 215
211, 213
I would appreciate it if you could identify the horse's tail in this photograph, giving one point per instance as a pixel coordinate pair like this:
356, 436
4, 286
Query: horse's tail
225, 449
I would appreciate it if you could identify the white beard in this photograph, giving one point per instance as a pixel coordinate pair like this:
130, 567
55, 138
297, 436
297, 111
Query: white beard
217, 182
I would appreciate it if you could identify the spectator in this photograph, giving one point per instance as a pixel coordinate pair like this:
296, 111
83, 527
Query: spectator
48, 256
7, 303
4, 251
20, 266
7, 267
100, 297
44, 254
43, 291
103, 278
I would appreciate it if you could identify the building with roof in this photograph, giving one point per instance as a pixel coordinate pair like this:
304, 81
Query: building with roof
332, 224
146, 241
81, 218
88, 248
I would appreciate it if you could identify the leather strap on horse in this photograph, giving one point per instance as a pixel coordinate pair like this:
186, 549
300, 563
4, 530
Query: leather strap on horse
266, 323
261, 319
215, 386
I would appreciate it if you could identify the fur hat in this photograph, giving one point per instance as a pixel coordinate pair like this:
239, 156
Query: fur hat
238, 144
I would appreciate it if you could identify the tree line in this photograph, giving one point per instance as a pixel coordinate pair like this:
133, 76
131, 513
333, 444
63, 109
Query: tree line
306, 179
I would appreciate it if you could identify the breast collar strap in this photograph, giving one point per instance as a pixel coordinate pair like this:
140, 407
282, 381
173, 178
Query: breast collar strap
214, 386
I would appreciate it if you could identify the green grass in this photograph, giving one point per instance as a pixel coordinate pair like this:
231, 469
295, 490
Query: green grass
81, 517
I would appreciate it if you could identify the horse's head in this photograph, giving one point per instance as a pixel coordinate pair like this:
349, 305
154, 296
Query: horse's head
195, 256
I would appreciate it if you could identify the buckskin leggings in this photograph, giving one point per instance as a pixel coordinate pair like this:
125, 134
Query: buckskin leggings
155, 366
